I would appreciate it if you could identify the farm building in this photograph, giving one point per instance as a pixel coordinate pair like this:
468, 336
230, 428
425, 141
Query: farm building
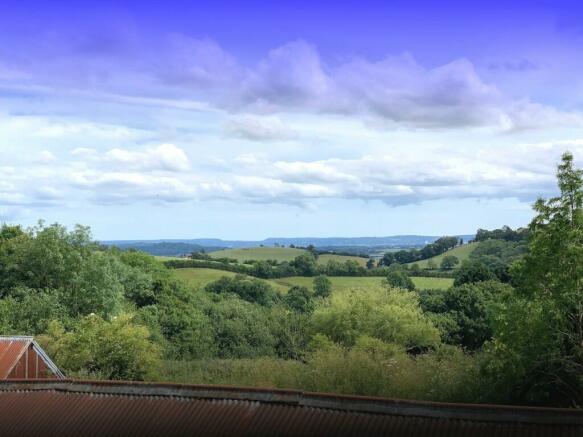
96, 408
22, 357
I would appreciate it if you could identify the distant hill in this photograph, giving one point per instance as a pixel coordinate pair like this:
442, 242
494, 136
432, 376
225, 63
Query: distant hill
176, 247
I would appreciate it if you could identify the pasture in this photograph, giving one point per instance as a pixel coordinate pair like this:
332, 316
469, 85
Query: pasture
196, 277
259, 253
323, 259
461, 252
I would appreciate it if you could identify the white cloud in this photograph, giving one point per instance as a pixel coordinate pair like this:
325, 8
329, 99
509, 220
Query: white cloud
397, 90
258, 128
165, 157
200, 75
46, 156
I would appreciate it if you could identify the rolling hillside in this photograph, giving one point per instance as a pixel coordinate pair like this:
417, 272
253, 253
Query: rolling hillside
201, 277
259, 253
323, 259
461, 252
279, 254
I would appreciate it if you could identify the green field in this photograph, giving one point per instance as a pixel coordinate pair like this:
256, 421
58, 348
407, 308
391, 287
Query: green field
323, 259
259, 253
167, 258
461, 252
344, 283
201, 277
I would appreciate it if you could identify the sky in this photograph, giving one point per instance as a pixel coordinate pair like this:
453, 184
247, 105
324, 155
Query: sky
248, 120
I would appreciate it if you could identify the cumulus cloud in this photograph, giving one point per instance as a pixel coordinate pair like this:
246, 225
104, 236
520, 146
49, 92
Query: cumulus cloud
258, 128
398, 177
397, 90
165, 157
130, 187
199, 74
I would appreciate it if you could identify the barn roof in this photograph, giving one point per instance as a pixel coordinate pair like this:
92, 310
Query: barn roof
91, 408
13, 347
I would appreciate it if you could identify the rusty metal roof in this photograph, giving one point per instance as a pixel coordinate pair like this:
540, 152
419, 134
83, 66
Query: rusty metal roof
13, 347
90, 408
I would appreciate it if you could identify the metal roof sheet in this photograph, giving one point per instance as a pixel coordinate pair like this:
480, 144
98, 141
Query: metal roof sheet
91, 408
11, 349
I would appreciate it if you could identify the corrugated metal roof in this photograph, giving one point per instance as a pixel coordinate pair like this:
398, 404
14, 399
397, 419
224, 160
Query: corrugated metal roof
92, 408
13, 347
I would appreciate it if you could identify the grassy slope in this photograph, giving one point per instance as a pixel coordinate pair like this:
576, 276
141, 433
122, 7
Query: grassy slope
166, 258
201, 277
462, 252
323, 259
344, 283
278, 253
259, 253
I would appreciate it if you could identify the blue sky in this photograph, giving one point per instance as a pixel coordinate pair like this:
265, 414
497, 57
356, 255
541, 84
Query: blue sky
254, 119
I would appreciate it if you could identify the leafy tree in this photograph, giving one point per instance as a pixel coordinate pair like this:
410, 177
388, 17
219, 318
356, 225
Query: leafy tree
400, 279
249, 289
112, 350
387, 259
184, 322
322, 286
465, 314
544, 357
449, 262
98, 287
431, 265
392, 316
299, 299
472, 271
241, 329
370, 264
305, 264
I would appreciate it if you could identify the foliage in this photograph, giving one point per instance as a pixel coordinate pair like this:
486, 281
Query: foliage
117, 349
249, 289
498, 256
449, 262
322, 286
472, 271
399, 279
505, 234
545, 355
299, 299
465, 314
390, 315
438, 247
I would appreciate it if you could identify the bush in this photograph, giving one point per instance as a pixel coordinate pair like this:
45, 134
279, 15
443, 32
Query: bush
98, 348
393, 316
322, 286
249, 289
472, 271
299, 299
465, 314
399, 279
